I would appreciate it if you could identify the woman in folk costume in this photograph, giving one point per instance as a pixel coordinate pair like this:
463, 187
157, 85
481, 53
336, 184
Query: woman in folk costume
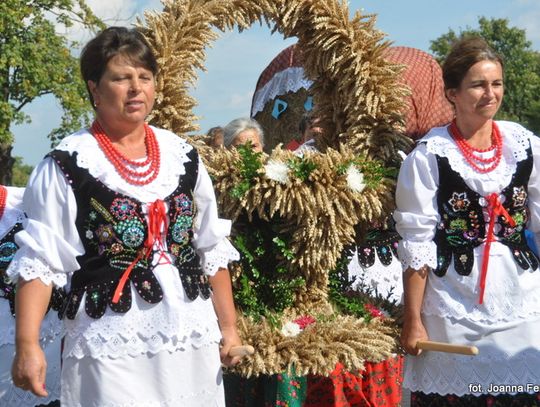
464, 197
124, 215
11, 221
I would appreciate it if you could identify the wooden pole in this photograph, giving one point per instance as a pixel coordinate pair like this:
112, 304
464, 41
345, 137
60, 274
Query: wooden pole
447, 347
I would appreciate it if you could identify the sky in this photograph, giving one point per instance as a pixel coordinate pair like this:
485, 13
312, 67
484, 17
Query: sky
235, 61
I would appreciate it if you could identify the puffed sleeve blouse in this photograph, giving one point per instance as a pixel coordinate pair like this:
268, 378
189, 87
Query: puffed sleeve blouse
50, 245
417, 217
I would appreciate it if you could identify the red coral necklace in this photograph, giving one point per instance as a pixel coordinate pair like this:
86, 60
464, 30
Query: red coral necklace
122, 164
3, 199
471, 154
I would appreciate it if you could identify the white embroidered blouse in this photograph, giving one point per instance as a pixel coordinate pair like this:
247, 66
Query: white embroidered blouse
50, 244
510, 293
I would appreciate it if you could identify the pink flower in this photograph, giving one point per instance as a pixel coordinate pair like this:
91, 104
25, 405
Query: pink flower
304, 321
374, 311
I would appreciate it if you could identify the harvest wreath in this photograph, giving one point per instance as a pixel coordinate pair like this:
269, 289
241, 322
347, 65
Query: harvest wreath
300, 212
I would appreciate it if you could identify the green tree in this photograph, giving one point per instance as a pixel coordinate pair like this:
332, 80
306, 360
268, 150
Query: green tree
36, 61
21, 172
521, 67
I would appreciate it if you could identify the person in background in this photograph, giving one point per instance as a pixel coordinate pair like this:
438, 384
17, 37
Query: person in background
464, 198
309, 128
123, 214
11, 221
243, 131
215, 134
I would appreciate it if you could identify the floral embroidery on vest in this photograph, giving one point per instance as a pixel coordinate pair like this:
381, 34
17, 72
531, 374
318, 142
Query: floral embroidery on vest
8, 248
113, 230
463, 220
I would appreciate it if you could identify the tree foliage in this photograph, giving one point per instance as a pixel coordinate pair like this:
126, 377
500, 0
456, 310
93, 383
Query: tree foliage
35, 61
21, 173
521, 67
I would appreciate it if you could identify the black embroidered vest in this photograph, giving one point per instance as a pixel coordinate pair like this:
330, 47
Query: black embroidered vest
462, 226
113, 229
8, 248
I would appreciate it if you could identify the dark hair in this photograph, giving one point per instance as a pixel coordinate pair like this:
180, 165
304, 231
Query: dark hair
109, 43
305, 122
463, 55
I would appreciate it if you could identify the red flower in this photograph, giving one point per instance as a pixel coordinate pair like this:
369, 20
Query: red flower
304, 321
374, 311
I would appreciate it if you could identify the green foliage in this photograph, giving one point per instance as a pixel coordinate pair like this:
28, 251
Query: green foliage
374, 171
21, 173
266, 286
521, 70
301, 167
357, 298
250, 165
35, 61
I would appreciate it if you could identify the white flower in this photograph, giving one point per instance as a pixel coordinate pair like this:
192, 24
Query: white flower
89, 234
355, 179
290, 329
277, 171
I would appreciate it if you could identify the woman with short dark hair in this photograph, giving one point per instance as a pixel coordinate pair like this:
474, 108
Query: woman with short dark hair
123, 215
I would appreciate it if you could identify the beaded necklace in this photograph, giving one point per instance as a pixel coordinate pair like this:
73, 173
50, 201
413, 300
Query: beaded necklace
470, 153
122, 164
3, 199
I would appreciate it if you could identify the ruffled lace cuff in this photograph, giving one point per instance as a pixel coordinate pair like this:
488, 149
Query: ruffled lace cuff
28, 266
417, 255
218, 257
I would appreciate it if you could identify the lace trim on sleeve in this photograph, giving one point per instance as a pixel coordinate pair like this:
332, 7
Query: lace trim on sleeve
417, 255
28, 266
218, 257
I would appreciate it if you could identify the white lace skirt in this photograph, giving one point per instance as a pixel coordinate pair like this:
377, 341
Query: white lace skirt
508, 359
187, 378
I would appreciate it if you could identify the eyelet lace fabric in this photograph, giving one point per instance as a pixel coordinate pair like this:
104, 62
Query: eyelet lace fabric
28, 266
175, 322
15, 397
201, 398
220, 255
384, 280
51, 327
144, 329
288, 80
172, 159
445, 373
515, 144
511, 293
417, 255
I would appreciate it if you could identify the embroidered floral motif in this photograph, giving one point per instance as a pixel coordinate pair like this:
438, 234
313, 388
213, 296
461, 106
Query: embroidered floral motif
519, 197
105, 233
123, 208
182, 229
459, 202
458, 224
465, 216
184, 205
7, 251
118, 232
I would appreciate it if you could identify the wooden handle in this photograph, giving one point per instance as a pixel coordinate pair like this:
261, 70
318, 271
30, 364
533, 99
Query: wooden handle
447, 347
243, 350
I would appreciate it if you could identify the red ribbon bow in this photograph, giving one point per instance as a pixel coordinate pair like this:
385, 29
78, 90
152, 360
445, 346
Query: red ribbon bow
495, 209
157, 222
